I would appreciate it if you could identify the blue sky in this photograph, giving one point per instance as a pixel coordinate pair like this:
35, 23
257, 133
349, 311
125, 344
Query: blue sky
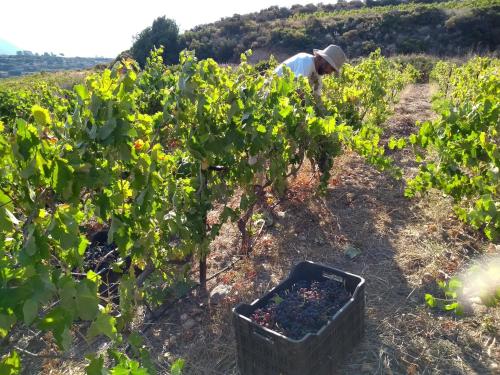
106, 27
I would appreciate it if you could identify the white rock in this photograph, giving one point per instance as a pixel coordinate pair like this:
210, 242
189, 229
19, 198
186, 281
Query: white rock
218, 293
188, 324
168, 355
281, 214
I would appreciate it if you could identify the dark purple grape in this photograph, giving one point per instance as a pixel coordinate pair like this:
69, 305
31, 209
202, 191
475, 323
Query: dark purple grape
303, 308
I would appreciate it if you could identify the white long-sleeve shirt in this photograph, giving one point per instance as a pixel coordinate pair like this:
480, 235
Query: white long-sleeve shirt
302, 64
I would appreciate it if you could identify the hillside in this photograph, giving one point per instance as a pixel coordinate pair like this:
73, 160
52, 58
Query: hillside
443, 28
11, 66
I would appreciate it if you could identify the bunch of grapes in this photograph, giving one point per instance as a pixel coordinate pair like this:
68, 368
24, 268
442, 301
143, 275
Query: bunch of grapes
264, 317
302, 309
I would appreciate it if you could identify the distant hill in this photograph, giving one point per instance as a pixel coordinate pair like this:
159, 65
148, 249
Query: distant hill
11, 66
436, 27
7, 48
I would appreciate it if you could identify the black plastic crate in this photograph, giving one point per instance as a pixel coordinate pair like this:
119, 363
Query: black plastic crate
262, 351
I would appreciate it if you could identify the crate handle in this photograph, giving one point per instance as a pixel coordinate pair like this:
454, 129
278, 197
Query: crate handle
263, 337
333, 276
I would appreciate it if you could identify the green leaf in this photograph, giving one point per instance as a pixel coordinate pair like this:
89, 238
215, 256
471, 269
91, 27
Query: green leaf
96, 366
430, 300
455, 284
116, 225
6, 323
65, 230
126, 291
482, 138
392, 143
106, 130
26, 140
58, 321
30, 311
352, 251
87, 303
62, 180
177, 367
82, 245
451, 306
125, 366
489, 232
94, 277
30, 245
65, 339
81, 92
119, 233
5, 220
129, 368
277, 299
67, 293
146, 361
10, 364
103, 325
41, 115
261, 129
135, 340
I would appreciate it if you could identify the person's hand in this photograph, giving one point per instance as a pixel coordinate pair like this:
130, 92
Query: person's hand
301, 94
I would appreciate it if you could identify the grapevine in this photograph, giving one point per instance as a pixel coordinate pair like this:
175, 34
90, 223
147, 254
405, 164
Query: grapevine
146, 155
465, 138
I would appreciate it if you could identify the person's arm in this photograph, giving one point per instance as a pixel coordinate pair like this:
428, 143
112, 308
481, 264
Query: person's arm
316, 84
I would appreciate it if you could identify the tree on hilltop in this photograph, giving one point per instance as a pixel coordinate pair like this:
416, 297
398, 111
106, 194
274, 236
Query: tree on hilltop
163, 32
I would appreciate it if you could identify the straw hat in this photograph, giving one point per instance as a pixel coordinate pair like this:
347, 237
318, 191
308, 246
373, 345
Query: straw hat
333, 55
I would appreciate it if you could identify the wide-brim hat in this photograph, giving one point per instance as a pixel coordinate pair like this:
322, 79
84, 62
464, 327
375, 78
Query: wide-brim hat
333, 55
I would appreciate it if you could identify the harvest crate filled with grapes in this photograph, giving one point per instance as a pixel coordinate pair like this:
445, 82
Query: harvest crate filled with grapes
308, 324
